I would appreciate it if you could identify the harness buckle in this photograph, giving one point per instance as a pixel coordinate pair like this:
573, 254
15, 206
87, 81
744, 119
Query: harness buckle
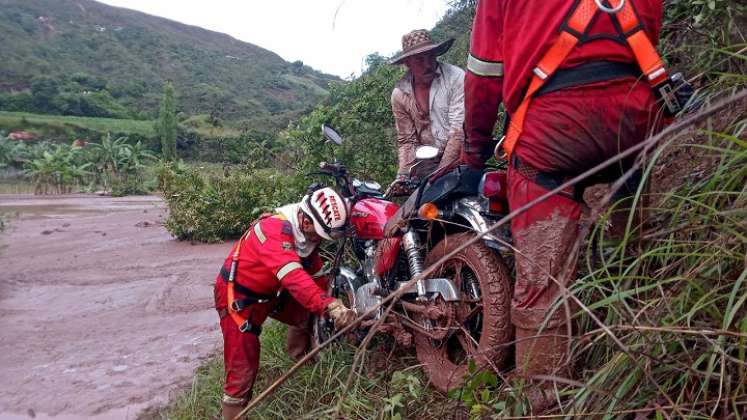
610, 10
238, 305
251, 328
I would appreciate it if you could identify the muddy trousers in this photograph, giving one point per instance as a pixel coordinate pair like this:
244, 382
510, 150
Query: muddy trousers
543, 236
241, 350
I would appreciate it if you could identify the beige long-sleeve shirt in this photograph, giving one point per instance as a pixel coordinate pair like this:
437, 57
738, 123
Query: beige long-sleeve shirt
441, 127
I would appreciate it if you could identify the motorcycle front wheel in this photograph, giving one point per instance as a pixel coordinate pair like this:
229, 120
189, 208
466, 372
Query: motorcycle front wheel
480, 328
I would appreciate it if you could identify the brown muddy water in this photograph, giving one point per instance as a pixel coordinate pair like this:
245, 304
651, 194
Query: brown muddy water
102, 313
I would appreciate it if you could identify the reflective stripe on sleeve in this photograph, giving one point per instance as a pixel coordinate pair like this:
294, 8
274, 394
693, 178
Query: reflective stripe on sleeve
284, 270
484, 68
260, 235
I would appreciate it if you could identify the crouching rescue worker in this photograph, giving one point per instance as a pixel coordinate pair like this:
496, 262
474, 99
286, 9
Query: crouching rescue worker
580, 81
275, 270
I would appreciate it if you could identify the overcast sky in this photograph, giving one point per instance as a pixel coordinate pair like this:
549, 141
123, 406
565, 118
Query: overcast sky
333, 36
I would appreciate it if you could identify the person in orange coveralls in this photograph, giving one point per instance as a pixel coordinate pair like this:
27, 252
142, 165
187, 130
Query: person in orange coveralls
278, 253
578, 80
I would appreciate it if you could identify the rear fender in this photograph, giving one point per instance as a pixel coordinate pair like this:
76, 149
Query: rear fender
470, 210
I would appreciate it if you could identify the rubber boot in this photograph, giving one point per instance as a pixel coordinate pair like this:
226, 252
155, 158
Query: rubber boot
543, 353
231, 411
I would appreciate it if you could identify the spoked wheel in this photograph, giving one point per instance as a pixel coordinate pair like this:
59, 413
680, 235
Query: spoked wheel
478, 326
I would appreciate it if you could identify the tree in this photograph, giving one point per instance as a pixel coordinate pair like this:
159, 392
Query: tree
166, 124
43, 91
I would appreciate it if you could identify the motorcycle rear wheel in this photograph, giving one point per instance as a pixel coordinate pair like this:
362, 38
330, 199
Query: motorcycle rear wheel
486, 327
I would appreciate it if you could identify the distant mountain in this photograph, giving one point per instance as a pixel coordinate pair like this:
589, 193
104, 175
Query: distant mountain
81, 57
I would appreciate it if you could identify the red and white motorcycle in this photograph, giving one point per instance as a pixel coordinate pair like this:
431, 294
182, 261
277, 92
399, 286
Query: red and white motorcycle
461, 312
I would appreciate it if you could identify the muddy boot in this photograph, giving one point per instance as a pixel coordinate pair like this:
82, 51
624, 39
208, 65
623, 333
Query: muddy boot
542, 353
299, 342
232, 409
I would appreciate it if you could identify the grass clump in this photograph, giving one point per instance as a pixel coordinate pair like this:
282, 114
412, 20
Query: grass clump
672, 291
391, 392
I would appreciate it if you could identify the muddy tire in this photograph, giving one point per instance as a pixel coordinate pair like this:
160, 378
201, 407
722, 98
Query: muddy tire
486, 330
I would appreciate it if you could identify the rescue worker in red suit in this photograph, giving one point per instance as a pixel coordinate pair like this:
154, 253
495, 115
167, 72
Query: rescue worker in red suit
595, 105
278, 273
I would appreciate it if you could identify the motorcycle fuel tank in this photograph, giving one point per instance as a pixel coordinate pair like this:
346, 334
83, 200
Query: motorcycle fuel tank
369, 216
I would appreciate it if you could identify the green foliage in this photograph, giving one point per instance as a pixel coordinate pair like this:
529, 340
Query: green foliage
405, 391
210, 207
360, 110
65, 127
704, 36
313, 391
674, 295
103, 61
166, 124
119, 164
58, 168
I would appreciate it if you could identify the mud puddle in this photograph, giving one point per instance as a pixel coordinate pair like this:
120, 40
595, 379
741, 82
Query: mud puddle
102, 313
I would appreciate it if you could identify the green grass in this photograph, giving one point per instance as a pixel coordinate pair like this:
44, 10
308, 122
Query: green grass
314, 391
60, 123
672, 291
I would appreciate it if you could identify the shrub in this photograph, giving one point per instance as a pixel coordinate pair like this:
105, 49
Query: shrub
129, 185
213, 207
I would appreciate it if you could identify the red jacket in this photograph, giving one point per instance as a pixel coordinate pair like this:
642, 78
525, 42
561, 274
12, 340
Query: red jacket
268, 261
508, 40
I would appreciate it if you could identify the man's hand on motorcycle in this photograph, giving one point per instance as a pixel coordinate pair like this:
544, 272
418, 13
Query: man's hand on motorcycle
402, 185
340, 314
444, 169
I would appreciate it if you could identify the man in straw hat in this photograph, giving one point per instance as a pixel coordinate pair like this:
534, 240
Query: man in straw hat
428, 105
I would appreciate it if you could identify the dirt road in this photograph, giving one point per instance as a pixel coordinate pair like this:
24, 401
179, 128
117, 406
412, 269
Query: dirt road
102, 313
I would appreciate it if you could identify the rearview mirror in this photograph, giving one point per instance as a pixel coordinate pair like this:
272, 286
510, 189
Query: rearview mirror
331, 134
426, 152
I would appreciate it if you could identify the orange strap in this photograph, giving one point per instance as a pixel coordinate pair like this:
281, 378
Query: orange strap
231, 293
237, 317
579, 22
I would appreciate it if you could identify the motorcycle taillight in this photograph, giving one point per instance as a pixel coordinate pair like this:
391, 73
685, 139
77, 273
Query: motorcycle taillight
493, 185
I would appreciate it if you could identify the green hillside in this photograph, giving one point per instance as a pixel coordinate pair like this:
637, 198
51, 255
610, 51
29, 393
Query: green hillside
83, 58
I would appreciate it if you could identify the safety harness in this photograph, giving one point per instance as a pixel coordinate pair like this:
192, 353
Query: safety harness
575, 30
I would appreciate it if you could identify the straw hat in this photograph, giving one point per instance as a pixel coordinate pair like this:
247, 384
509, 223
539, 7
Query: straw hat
417, 42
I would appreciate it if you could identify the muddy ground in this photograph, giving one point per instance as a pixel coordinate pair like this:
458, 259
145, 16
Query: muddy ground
102, 313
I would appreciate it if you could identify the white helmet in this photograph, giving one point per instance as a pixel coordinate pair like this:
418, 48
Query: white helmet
327, 210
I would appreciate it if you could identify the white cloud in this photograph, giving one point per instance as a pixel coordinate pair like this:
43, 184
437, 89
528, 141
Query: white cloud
330, 35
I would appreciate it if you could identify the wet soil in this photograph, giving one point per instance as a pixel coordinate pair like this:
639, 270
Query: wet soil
102, 313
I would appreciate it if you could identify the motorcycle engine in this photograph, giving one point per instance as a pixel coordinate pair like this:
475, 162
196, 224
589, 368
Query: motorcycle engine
363, 289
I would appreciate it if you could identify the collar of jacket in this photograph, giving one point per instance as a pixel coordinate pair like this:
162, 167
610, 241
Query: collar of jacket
303, 247
405, 83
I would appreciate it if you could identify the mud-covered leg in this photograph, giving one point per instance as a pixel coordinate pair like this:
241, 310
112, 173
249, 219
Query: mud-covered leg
543, 236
